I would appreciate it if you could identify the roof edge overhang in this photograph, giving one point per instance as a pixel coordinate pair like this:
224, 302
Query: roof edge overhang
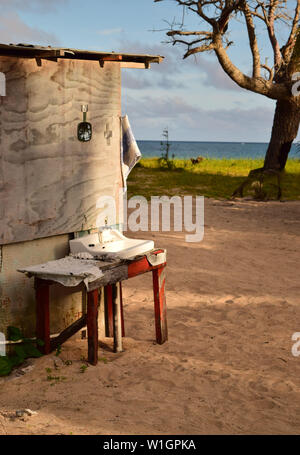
55, 53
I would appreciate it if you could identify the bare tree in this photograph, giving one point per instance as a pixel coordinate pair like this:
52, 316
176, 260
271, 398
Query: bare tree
276, 81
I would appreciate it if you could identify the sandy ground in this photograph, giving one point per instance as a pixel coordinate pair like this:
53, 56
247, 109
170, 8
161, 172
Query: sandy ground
233, 305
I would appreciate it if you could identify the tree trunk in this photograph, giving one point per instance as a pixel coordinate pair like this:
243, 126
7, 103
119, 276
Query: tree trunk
284, 131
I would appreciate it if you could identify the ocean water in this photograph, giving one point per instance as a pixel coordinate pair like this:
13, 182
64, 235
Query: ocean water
183, 149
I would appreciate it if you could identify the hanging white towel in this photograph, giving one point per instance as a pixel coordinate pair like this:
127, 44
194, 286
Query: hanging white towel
130, 152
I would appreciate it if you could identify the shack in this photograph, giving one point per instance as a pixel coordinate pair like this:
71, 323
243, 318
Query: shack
60, 142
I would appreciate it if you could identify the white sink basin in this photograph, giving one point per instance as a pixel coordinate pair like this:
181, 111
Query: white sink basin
112, 243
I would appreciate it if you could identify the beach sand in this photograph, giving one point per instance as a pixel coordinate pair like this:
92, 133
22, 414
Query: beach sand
233, 305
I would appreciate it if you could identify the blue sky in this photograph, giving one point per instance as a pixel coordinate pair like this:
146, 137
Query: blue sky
192, 97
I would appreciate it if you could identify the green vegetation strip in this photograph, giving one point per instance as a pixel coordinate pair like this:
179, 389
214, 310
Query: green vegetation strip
216, 178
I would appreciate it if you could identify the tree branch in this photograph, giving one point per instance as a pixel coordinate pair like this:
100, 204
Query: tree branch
258, 85
287, 49
271, 31
217, 14
252, 41
182, 32
270, 71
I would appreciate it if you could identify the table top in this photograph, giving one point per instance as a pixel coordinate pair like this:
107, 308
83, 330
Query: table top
71, 271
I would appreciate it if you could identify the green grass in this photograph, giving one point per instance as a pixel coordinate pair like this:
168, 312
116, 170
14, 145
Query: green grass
216, 178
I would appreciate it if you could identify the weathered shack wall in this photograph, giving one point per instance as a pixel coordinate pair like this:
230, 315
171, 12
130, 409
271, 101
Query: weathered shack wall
49, 181
17, 302
17, 295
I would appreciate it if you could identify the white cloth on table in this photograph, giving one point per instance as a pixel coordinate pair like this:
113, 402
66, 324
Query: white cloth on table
67, 271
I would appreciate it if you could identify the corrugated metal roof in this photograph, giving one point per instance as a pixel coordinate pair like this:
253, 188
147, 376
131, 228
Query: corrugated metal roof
53, 53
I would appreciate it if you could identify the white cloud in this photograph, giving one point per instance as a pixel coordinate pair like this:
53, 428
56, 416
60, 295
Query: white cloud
173, 66
171, 63
14, 30
33, 5
142, 81
109, 31
192, 122
214, 75
135, 82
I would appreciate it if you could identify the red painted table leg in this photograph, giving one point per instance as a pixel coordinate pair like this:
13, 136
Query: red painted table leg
160, 307
42, 291
122, 311
109, 314
92, 326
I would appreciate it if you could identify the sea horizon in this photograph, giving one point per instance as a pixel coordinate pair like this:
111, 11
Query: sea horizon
227, 142
210, 149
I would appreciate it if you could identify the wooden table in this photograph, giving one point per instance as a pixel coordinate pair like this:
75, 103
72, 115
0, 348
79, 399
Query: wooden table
113, 274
